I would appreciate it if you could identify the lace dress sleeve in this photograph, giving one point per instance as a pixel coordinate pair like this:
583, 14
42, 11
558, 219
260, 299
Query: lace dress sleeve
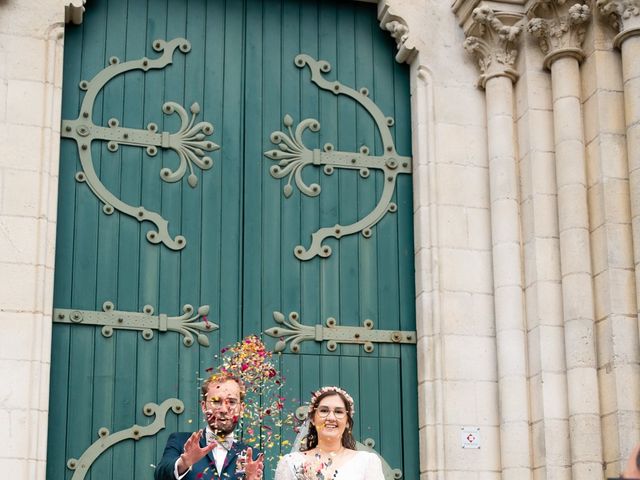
284, 470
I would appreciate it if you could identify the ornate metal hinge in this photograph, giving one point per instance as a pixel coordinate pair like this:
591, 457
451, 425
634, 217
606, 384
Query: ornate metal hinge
106, 440
293, 156
145, 322
189, 142
295, 332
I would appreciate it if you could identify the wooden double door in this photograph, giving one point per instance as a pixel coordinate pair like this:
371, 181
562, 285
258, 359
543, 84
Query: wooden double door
158, 211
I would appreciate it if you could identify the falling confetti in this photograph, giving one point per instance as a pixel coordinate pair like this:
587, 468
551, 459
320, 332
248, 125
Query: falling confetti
264, 414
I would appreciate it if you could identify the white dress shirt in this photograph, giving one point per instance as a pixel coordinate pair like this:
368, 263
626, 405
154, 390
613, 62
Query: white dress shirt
219, 452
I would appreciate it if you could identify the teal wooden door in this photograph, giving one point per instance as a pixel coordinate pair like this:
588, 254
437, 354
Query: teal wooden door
232, 228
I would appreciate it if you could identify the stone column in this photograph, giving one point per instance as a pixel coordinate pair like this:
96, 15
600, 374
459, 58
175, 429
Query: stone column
31, 48
494, 44
31, 44
559, 27
551, 455
624, 359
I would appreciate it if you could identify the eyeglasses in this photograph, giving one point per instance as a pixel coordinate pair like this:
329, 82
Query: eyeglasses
338, 412
217, 402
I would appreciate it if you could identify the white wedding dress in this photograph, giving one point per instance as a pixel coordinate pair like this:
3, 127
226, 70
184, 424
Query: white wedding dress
361, 466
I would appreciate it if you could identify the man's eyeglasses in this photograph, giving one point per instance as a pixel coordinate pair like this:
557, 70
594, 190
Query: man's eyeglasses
338, 412
230, 403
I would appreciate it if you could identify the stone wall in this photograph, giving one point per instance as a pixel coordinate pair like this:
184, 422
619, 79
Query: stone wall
526, 234
30, 90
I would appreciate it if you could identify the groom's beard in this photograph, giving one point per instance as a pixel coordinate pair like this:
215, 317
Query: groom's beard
221, 423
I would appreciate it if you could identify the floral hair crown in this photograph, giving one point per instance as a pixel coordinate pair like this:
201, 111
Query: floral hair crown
316, 395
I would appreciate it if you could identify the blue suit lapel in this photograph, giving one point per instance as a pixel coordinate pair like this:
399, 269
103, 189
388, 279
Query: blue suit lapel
207, 464
230, 459
203, 443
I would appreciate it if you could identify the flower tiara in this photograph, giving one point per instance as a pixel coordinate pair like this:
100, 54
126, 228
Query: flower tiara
316, 395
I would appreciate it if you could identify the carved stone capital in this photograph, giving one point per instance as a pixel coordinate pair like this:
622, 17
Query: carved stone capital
463, 10
493, 39
624, 16
559, 28
74, 11
399, 30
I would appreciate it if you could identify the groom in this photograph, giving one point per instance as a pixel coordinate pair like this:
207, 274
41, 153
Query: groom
212, 453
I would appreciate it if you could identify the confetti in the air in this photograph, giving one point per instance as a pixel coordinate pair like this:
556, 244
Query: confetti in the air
264, 415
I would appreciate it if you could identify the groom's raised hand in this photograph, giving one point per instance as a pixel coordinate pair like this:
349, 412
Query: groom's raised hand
253, 468
193, 452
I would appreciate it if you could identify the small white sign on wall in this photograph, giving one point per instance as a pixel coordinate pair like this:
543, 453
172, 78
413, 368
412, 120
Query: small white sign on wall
470, 437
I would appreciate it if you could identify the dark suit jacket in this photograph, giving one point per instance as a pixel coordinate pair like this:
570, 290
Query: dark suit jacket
206, 466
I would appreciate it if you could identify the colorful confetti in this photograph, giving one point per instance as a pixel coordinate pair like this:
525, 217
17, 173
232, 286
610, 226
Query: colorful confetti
263, 415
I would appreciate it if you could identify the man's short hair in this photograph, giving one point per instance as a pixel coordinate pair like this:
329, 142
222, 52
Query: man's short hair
222, 377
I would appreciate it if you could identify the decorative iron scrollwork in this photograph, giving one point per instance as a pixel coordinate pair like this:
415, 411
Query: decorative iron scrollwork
293, 156
190, 142
145, 322
107, 440
291, 330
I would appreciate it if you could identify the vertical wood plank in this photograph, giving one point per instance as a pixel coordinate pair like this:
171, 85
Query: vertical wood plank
254, 169
105, 409
309, 207
409, 377
386, 229
370, 393
328, 113
81, 360
348, 179
272, 254
211, 275
390, 445
232, 168
349, 381
367, 194
291, 207
63, 281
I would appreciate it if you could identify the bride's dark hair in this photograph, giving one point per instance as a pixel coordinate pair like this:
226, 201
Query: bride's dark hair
311, 439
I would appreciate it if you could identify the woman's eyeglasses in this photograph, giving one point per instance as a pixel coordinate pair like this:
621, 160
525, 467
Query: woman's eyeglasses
338, 412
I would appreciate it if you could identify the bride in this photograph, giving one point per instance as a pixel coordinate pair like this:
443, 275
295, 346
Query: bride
330, 449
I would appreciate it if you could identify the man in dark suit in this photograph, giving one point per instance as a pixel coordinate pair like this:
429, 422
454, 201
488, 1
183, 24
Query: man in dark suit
212, 453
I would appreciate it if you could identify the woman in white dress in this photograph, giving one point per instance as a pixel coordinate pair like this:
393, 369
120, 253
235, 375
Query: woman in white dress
329, 449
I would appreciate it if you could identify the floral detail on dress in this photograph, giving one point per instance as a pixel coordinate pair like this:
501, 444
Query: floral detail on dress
314, 468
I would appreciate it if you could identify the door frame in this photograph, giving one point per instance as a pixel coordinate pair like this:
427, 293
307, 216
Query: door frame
394, 20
